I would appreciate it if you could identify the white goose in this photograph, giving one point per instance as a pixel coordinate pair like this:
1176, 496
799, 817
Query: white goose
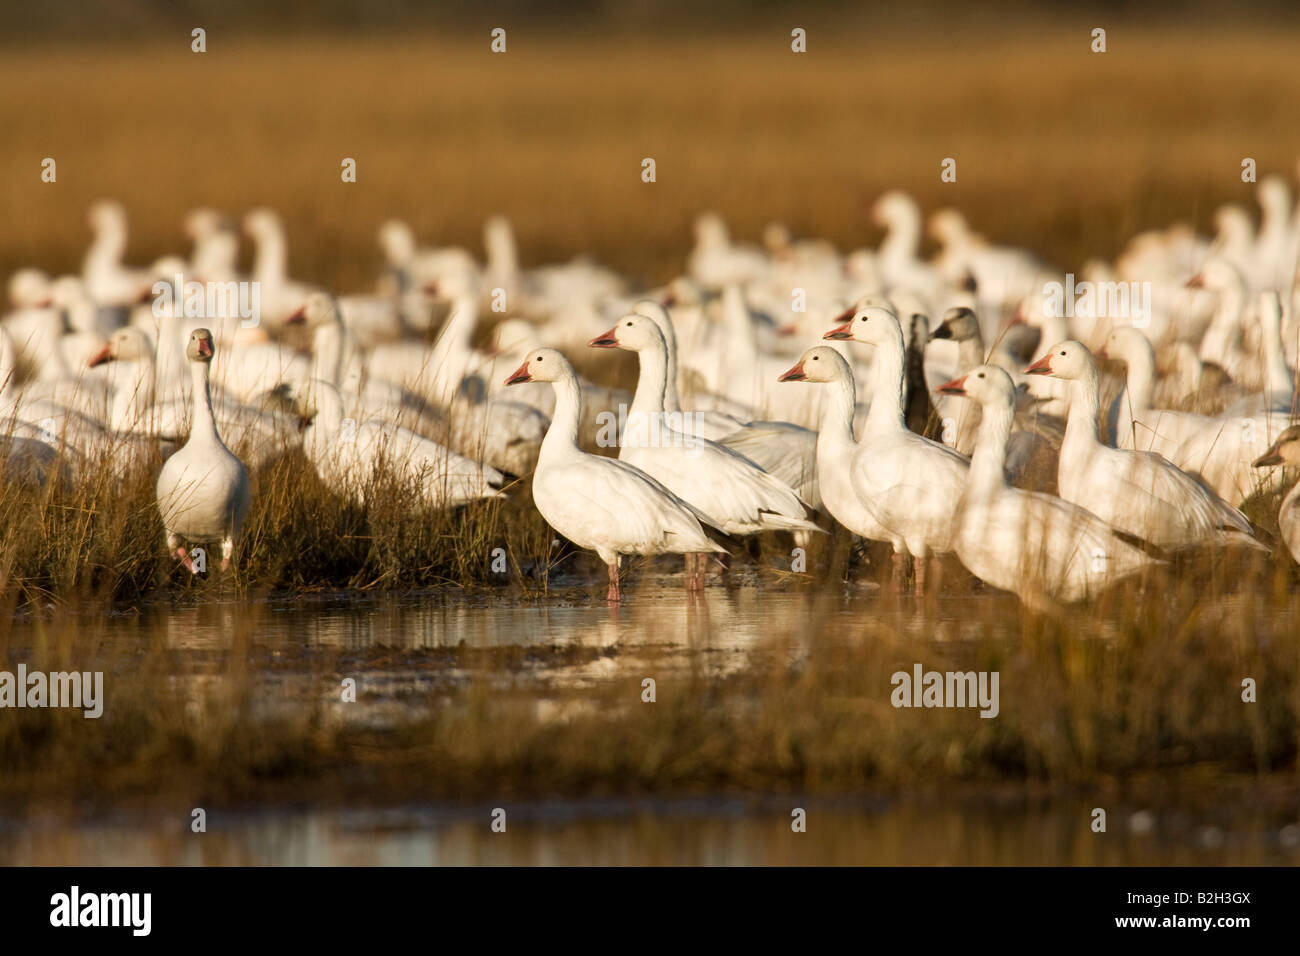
1132, 422
203, 492
838, 453
913, 484
351, 453
1286, 451
1033, 544
599, 503
1140, 493
734, 492
783, 449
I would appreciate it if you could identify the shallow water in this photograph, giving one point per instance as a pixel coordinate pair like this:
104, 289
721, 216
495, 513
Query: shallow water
888, 832
389, 637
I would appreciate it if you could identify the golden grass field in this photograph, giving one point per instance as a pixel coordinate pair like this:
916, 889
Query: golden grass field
1058, 149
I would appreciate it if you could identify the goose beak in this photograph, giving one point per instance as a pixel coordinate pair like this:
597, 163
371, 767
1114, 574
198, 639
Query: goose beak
519, 375
145, 296
1101, 353
606, 340
942, 332
103, 355
298, 315
795, 374
1268, 459
787, 330
1195, 282
1042, 367
205, 348
844, 331
956, 387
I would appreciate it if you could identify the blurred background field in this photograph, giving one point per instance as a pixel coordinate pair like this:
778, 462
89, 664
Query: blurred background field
1058, 149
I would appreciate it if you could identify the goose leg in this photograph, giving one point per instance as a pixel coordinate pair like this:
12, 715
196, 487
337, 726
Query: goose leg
918, 568
695, 569
175, 547
936, 573
227, 549
897, 573
614, 595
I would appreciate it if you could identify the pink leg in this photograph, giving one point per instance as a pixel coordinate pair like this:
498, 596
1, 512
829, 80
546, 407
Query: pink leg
896, 576
918, 565
614, 595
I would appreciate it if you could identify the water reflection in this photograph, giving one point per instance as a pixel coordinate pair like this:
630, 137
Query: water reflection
681, 832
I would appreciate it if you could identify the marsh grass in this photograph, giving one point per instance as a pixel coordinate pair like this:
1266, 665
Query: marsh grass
1146, 681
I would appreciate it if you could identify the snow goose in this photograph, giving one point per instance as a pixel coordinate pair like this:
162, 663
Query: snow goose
1286, 451
108, 281
1139, 493
1033, 544
215, 255
1131, 422
737, 494
203, 492
351, 453
913, 484
961, 326
716, 262
838, 453
280, 295
598, 503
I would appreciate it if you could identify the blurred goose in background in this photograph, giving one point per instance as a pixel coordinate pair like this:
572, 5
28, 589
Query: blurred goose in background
108, 281
1286, 451
351, 454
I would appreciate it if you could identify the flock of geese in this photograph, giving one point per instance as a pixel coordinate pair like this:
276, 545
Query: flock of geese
946, 409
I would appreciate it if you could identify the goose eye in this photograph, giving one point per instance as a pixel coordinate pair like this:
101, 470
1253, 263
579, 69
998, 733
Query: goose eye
1062, 353
981, 375
816, 358
629, 325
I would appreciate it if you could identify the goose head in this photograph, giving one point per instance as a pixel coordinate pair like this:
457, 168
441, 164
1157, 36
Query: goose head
107, 215
316, 310
896, 209
959, 324
127, 344
397, 242
633, 333
1126, 344
200, 347
948, 227
1217, 274
204, 222
1284, 451
820, 363
872, 322
541, 365
1068, 360
988, 385
30, 289
263, 223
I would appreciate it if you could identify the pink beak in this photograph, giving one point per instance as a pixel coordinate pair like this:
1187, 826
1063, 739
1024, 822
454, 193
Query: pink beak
205, 348
956, 387
1195, 282
1042, 367
795, 374
844, 331
519, 375
606, 340
103, 355
299, 315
